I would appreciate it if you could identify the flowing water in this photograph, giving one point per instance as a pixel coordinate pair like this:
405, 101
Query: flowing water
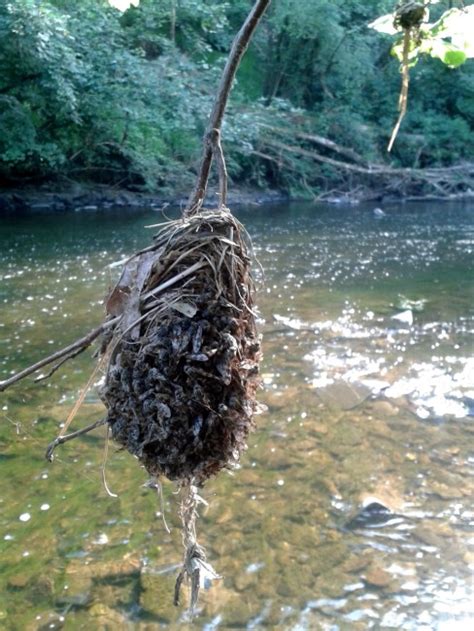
352, 508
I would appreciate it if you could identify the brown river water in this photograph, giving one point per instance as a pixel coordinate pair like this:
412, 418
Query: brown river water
353, 506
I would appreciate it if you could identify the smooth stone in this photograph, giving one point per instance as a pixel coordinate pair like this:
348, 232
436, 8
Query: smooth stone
219, 599
346, 435
121, 567
42, 587
429, 537
445, 492
377, 577
243, 581
330, 555
342, 395
106, 617
249, 477
280, 399
371, 513
384, 408
46, 621
19, 581
356, 564
78, 594
226, 516
385, 493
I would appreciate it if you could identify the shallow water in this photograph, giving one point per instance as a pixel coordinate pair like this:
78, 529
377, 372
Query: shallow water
352, 508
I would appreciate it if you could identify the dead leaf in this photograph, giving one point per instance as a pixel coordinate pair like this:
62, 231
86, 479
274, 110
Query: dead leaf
185, 308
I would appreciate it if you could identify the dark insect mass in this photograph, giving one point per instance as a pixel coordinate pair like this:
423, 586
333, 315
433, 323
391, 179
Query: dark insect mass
183, 359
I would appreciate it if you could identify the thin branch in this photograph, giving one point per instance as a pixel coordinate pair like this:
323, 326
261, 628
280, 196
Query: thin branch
319, 140
387, 177
172, 281
104, 465
315, 156
81, 343
238, 49
403, 98
221, 169
82, 396
373, 169
60, 440
59, 364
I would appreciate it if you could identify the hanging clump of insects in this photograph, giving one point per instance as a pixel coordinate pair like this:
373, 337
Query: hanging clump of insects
179, 344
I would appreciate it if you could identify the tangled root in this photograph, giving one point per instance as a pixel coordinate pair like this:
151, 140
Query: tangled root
183, 358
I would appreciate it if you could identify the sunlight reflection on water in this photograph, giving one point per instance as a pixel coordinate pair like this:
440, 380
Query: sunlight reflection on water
365, 411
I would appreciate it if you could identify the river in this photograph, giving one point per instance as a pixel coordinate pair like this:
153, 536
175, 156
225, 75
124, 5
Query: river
351, 509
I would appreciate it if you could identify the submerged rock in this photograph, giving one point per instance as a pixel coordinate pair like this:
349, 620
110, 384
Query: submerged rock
371, 513
343, 395
376, 576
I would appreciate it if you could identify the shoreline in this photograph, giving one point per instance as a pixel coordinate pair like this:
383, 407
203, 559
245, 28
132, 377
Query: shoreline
86, 198
83, 198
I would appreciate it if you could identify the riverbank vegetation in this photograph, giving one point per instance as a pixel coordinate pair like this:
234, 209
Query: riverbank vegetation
88, 93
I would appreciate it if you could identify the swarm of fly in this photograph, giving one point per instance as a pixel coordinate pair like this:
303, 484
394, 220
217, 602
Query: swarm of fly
183, 358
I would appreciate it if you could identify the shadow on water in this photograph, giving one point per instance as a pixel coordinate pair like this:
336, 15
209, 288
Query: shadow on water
352, 508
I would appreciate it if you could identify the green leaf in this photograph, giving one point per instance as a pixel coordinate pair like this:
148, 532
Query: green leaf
454, 58
455, 28
449, 54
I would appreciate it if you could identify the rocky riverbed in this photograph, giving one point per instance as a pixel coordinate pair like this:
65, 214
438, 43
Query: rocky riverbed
352, 507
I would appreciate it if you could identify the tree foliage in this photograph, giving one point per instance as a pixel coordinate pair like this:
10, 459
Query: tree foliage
122, 97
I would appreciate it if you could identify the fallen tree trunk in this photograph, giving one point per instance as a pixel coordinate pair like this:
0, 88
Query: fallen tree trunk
452, 182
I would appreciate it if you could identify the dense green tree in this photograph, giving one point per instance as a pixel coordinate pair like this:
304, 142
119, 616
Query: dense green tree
88, 92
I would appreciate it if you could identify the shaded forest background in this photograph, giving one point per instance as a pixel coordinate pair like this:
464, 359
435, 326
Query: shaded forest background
90, 94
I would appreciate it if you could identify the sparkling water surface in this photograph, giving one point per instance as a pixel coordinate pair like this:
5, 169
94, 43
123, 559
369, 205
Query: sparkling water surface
351, 509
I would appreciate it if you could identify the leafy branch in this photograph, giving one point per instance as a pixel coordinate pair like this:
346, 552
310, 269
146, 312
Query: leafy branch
450, 39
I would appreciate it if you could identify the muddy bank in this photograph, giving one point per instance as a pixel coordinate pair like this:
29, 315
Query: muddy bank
83, 198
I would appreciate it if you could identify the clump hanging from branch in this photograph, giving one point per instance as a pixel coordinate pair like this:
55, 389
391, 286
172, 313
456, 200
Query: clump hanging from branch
182, 372
179, 344
183, 361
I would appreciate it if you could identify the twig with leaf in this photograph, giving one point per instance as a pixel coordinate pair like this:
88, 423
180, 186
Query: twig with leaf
450, 39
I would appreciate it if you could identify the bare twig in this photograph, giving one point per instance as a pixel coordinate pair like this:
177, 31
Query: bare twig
104, 465
221, 169
60, 440
403, 98
175, 279
80, 399
373, 169
81, 343
458, 180
238, 49
319, 158
319, 140
59, 364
